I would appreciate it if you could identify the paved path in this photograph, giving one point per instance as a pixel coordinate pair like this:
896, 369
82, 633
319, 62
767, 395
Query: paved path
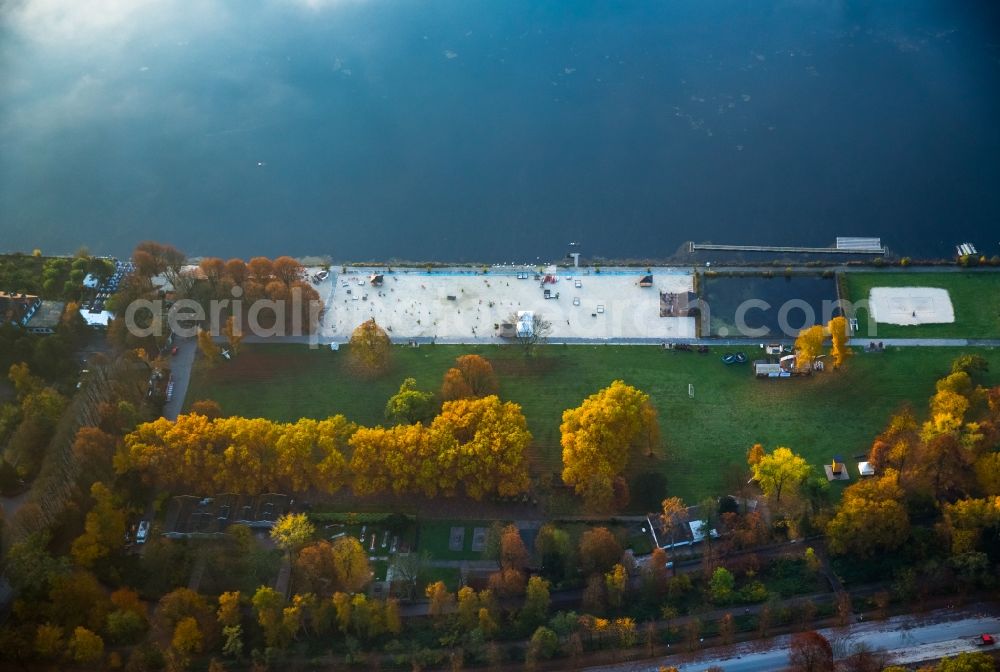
180, 370
323, 341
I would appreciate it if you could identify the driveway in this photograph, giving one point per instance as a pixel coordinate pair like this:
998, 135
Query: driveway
181, 365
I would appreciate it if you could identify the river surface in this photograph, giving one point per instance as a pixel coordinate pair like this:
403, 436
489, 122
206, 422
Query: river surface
472, 130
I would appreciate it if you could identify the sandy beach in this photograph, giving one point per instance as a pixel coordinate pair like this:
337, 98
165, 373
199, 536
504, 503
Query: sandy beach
469, 306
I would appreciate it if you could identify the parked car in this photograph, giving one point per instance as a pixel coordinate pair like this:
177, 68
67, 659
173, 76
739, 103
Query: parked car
143, 533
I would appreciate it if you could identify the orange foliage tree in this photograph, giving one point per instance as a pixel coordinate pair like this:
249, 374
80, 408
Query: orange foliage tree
472, 376
370, 350
238, 454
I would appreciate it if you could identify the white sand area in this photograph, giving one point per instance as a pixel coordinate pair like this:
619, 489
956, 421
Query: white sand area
468, 306
910, 305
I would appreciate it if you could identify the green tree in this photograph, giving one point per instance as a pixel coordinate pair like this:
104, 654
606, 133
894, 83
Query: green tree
722, 586
30, 567
615, 584
543, 644
124, 626
269, 606
967, 662
232, 641
536, 603
410, 405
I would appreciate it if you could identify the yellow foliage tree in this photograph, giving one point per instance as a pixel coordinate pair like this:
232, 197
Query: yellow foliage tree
871, 519
441, 600
104, 528
597, 438
208, 348
808, 346
229, 609
85, 646
838, 334
615, 582
292, 531
778, 471
476, 446
234, 334
485, 445
238, 454
187, 638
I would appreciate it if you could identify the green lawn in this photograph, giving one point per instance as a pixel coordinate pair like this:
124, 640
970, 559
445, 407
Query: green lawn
435, 536
974, 296
836, 412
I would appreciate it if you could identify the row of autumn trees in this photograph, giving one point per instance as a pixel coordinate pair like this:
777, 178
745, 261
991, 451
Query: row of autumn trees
809, 343
474, 446
471, 443
238, 282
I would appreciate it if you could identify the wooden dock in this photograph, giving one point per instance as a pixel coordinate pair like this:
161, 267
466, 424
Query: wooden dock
698, 247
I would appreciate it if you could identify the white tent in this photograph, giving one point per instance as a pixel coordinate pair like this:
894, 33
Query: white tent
525, 323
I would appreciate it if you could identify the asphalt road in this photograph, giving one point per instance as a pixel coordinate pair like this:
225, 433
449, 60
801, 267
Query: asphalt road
906, 639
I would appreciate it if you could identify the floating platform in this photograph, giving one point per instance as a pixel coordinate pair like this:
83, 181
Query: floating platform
843, 246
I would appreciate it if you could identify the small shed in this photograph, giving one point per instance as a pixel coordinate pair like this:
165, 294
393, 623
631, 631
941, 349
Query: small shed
836, 470
646, 281
866, 469
838, 464
376, 279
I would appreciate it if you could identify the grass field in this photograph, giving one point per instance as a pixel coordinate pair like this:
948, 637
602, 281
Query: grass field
975, 297
835, 412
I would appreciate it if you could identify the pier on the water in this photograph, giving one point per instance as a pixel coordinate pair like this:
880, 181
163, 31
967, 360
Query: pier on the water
843, 246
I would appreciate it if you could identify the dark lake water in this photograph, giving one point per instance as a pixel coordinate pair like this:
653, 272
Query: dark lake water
766, 307
467, 130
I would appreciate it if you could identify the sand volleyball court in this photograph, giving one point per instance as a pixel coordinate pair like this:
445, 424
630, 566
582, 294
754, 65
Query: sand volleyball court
911, 305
